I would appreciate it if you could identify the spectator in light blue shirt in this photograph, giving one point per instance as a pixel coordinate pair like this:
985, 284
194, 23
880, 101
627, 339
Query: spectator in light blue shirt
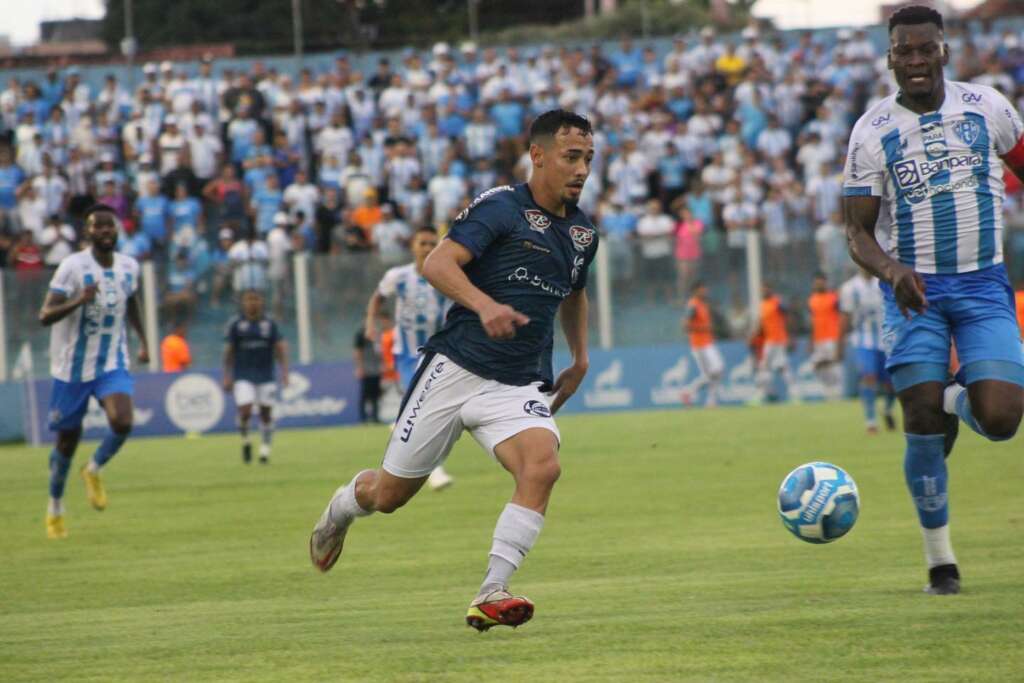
186, 211
508, 116
11, 177
153, 215
619, 226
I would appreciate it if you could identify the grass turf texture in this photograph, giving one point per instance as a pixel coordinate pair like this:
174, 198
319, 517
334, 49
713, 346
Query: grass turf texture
662, 559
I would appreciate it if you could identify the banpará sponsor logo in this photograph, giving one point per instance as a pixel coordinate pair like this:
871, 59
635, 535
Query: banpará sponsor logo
911, 172
194, 403
295, 403
608, 391
522, 274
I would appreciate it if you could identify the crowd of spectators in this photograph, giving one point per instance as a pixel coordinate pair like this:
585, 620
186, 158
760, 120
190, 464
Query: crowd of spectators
219, 174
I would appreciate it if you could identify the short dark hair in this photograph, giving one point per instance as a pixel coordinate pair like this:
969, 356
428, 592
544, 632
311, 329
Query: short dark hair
915, 14
425, 228
98, 208
550, 122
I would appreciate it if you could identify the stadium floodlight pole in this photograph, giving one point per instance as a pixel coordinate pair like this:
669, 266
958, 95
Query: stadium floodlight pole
604, 299
3, 331
754, 277
149, 314
297, 33
301, 268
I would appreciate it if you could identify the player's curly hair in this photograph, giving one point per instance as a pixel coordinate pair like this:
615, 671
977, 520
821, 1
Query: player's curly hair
915, 14
550, 122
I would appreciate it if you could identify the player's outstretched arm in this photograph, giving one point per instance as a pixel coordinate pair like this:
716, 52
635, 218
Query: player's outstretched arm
444, 270
861, 215
574, 312
229, 364
372, 311
57, 306
135, 320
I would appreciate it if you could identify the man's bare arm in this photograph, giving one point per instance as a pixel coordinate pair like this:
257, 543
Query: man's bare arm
908, 286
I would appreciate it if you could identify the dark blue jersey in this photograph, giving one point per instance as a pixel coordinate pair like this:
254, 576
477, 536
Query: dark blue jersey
253, 342
526, 258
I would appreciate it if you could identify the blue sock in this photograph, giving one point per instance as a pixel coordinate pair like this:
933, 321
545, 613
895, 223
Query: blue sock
867, 398
925, 472
109, 447
59, 466
963, 409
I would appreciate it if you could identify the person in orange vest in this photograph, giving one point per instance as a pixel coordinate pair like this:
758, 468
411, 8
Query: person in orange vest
1019, 296
174, 351
697, 325
389, 372
775, 357
825, 336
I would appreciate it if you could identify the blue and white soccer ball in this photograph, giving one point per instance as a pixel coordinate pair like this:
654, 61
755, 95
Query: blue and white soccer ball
818, 502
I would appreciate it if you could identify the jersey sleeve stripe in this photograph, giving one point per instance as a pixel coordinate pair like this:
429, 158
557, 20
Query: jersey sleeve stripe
856, 191
986, 203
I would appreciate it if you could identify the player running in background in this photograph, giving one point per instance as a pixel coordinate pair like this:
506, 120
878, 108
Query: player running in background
91, 297
825, 333
933, 150
860, 301
697, 324
419, 312
511, 260
252, 344
775, 352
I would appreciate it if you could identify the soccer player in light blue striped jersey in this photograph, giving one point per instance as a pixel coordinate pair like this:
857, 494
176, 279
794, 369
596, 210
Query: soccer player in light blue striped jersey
935, 153
860, 303
92, 295
419, 312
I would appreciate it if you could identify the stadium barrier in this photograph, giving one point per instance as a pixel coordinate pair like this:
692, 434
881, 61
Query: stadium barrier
327, 394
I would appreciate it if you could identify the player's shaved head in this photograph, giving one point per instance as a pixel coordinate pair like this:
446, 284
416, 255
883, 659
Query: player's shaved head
915, 14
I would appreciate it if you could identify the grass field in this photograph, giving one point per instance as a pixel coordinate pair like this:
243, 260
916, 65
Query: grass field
663, 559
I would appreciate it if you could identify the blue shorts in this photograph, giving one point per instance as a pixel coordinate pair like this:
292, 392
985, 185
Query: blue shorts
406, 367
872, 362
70, 400
976, 310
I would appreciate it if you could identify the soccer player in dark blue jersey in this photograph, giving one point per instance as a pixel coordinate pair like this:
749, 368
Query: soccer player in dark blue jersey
512, 259
252, 344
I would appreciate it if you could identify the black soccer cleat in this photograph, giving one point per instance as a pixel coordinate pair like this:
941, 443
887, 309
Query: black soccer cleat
943, 580
246, 453
890, 422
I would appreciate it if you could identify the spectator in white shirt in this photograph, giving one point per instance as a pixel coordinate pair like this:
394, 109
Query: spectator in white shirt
301, 195
655, 231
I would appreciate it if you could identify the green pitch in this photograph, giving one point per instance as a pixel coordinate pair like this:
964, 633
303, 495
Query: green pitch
662, 560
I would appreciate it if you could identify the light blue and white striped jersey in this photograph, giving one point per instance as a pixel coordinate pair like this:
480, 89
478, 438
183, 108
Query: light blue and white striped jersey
92, 339
861, 299
942, 175
419, 308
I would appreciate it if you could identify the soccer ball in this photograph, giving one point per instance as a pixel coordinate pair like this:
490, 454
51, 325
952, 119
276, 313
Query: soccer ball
818, 502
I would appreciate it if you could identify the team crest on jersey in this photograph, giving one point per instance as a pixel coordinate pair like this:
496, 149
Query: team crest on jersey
537, 220
967, 130
264, 328
581, 237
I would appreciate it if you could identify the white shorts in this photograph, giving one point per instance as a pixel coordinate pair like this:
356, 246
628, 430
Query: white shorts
825, 352
709, 360
774, 357
247, 393
447, 399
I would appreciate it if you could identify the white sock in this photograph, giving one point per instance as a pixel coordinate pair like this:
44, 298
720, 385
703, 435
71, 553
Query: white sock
949, 397
514, 534
937, 548
55, 507
92, 467
344, 507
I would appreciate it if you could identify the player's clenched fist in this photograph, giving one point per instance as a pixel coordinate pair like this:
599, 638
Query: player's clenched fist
500, 321
908, 287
